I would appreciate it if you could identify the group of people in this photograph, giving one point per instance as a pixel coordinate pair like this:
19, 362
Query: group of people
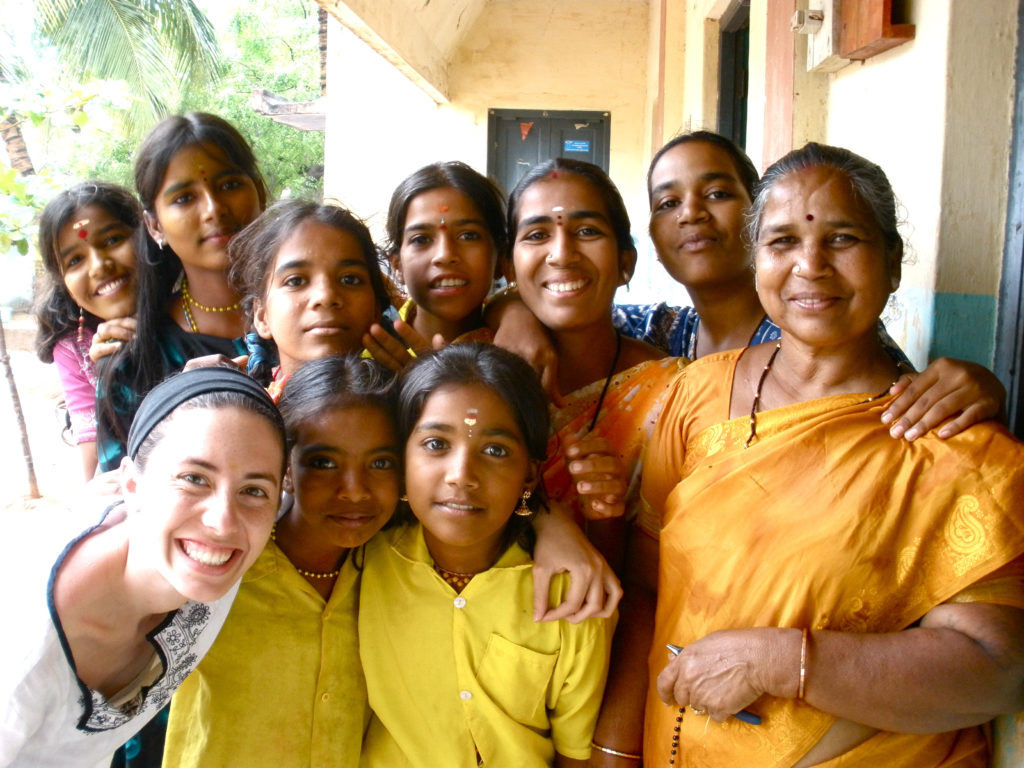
404, 518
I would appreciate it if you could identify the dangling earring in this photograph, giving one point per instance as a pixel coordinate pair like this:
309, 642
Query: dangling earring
523, 510
404, 498
81, 325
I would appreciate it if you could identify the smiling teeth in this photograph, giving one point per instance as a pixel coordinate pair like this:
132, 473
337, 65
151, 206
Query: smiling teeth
112, 286
204, 555
575, 285
463, 507
451, 282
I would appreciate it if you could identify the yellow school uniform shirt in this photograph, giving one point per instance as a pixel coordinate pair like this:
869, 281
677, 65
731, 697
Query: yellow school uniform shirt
282, 685
450, 674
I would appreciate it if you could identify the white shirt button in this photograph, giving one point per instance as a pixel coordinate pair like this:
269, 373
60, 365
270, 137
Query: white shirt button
460, 602
465, 695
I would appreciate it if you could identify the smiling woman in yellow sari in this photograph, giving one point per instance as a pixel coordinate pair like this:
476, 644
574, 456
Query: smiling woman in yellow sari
862, 595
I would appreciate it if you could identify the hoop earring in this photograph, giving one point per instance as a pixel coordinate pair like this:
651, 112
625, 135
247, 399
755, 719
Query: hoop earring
523, 510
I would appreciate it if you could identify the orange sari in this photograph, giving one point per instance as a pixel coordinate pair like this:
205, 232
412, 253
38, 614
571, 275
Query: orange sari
823, 522
628, 414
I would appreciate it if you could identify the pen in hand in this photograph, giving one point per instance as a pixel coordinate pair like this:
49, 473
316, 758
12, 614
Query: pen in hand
743, 715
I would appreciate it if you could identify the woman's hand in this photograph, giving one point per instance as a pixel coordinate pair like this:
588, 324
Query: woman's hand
394, 354
209, 361
518, 330
599, 477
110, 336
594, 589
105, 484
954, 393
726, 671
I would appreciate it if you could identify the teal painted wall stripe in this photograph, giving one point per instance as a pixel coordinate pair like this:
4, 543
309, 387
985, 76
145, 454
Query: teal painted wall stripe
964, 327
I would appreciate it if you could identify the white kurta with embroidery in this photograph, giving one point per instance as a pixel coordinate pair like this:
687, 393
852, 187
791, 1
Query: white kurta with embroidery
51, 718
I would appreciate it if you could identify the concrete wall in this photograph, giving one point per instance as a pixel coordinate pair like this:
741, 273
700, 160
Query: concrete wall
936, 114
573, 55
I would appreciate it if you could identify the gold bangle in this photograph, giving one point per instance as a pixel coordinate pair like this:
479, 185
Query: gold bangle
803, 663
615, 752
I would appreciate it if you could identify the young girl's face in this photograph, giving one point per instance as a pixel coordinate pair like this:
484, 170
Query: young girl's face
466, 466
567, 260
319, 298
96, 252
345, 473
447, 257
203, 202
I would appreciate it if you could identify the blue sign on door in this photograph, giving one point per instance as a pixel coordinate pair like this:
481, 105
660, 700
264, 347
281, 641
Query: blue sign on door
576, 145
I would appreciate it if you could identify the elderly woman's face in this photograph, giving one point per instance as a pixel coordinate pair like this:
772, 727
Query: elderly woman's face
204, 505
823, 274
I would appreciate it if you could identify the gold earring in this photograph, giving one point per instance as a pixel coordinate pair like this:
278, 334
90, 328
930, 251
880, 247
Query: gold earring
404, 498
523, 510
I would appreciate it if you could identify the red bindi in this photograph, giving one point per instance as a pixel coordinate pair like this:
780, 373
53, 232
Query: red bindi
810, 217
83, 233
554, 174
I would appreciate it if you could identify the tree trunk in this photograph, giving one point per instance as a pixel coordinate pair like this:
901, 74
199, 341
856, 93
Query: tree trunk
17, 152
321, 16
5, 361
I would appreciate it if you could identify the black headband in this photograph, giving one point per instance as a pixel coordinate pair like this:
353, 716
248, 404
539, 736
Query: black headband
182, 387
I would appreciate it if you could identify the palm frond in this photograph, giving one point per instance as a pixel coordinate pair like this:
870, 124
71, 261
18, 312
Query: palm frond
189, 37
156, 46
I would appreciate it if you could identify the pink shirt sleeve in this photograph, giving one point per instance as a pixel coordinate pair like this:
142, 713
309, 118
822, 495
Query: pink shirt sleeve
78, 380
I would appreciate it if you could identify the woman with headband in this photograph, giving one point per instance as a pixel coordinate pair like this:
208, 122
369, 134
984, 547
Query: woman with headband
134, 602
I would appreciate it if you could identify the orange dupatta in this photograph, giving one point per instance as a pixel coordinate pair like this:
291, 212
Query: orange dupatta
630, 409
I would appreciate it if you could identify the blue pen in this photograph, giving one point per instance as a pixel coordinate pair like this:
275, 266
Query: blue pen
743, 715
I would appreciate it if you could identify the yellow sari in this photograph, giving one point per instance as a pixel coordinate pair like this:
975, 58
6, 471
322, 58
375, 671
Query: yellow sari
824, 522
628, 414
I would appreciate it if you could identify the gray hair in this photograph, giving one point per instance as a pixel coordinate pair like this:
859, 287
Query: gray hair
868, 180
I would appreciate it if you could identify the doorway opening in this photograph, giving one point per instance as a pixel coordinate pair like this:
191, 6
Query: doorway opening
734, 72
1009, 362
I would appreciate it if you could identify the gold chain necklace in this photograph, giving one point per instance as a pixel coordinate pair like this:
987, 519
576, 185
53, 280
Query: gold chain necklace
310, 574
458, 581
190, 299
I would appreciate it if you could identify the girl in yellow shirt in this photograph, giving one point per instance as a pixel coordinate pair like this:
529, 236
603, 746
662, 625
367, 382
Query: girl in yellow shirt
458, 673
282, 685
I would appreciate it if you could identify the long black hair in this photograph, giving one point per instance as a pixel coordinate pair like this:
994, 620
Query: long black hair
56, 311
139, 366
